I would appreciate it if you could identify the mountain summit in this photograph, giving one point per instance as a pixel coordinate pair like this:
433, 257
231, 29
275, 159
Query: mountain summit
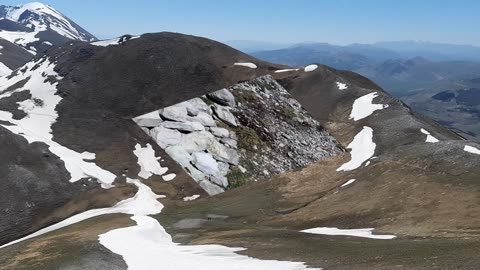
37, 26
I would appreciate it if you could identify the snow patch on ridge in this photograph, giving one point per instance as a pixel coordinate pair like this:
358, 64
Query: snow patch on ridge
310, 68
471, 149
363, 106
349, 182
341, 86
363, 148
149, 164
41, 114
286, 70
430, 138
245, 64
366, 233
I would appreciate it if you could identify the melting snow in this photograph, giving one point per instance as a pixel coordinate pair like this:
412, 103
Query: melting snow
348, 183
41, 114
363, 106
169, 177
286, 70
367, 233
191, 198
471, 149
310, 68
246, 64
363, 148
113, 41
4, 70
149, 164
430, 138
341, 86
143, 203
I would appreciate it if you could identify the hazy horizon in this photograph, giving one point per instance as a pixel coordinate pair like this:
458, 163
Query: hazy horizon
339, 22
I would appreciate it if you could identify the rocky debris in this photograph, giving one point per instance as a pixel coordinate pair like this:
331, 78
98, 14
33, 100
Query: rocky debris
149, 120
223, 97
225, 115
250, 131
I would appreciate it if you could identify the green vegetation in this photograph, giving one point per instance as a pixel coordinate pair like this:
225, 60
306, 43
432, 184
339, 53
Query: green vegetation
287, 112
207, 100
248, 138
236, 178
245, 96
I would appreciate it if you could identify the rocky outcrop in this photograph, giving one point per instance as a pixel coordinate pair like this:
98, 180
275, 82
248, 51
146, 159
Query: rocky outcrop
245, 133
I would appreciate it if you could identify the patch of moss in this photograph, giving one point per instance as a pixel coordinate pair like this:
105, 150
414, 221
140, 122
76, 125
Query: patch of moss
245, 96
248, 138
287, 112
207, 100
236, 178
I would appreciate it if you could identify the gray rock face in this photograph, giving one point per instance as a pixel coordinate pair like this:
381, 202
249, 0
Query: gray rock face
192, 110
200, 105
203, 118
205, 163
223, 97
229, 142
187, 126
149, 120
225, 115
174, 113
211, 188
166, 137
197, 141
220, 132
179, 154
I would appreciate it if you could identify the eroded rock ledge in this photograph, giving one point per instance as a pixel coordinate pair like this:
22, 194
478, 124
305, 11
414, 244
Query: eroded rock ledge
248, 132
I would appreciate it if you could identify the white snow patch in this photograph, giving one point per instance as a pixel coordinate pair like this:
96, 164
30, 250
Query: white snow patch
146, 245
348, 183
310, 68
4, 70
149, 164
471, 149
363, 106
366, 233
169, 177
286, 70
191, 198
363, 148
430, 138
41, 114
341, 86
144, 202
245, 64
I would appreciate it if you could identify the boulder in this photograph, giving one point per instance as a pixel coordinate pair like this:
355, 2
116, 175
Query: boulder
149, 120
225, 115
220, 132
192, 110
222, 153
187, 126
223, 97
205, 163
179, 154
211, 188
203, 118
200, 105
229, 142
223, 168
197, 175
166, 137
174, 113
219, 180
197, 141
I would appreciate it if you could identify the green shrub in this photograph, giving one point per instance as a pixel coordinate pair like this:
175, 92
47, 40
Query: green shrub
247, 138
236, 178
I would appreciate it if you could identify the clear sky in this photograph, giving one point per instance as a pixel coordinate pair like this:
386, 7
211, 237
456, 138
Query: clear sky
333, 21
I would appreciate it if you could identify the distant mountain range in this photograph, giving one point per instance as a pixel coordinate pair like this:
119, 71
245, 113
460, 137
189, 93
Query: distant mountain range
414, 71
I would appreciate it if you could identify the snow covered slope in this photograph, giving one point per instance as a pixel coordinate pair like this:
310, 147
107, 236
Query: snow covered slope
36, 26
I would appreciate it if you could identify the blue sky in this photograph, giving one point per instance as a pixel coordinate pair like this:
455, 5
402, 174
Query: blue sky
333, 21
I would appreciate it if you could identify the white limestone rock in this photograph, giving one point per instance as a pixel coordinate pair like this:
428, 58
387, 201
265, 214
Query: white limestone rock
225, 115
223, 97
219, 180
220, 132
174, 113
200, 105
187, 126
148, 120
222, 153
179, 154
197, 141
211, 188
203, 118
205, 163
229, 142
166, 137
197, 175
192, 110
223, 168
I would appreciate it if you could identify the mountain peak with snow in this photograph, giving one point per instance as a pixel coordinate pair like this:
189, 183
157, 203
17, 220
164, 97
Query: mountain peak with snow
36, 26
